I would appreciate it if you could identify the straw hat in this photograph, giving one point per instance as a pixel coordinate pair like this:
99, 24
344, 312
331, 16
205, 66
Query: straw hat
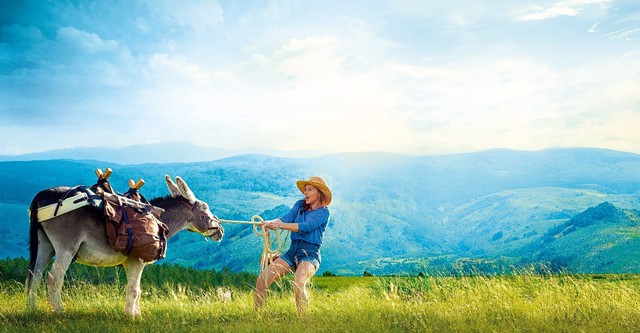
318, 183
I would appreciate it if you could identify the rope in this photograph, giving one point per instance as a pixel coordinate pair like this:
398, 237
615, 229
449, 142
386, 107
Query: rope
268, 249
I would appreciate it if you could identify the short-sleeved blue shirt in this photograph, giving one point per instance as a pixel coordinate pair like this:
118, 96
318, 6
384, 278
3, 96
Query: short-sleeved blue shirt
311, 224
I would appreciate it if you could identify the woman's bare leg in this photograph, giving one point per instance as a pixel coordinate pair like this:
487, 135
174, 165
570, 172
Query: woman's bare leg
275, 271
304, 273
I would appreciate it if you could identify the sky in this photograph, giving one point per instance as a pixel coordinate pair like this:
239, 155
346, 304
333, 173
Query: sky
409, 77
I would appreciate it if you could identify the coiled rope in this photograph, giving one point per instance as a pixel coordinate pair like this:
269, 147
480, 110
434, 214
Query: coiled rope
269, 252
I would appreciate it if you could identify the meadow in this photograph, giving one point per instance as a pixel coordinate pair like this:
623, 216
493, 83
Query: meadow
510, 303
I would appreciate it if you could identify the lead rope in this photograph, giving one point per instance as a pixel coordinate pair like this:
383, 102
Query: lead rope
268, 249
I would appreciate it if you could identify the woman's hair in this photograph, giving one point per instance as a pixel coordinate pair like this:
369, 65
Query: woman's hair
306, 207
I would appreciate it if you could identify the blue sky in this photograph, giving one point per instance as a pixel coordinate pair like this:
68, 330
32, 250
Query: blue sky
415, 77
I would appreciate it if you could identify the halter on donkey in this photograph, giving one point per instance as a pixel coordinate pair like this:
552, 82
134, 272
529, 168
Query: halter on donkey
80, 235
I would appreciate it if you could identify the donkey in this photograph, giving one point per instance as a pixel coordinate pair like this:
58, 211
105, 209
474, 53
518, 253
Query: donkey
80, 235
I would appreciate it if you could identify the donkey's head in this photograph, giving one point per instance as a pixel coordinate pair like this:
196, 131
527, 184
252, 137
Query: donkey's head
202, 220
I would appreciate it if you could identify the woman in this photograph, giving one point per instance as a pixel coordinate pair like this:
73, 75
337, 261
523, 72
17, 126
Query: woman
307, 221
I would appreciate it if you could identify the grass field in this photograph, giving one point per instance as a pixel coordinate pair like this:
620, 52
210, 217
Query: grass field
518, 303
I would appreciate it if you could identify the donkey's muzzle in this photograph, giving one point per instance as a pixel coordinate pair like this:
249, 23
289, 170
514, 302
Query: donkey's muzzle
216, 233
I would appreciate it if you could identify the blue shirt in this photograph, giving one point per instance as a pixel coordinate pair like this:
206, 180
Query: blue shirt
311, 224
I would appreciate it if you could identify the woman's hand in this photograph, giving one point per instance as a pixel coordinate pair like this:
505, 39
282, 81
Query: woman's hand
272, 225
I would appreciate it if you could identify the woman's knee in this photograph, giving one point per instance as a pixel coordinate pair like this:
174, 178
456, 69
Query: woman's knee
304, 273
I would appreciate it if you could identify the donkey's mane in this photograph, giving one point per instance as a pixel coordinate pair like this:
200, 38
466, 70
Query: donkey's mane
164, 201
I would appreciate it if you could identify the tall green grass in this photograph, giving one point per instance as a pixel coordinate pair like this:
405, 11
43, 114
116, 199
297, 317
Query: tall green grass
513, 303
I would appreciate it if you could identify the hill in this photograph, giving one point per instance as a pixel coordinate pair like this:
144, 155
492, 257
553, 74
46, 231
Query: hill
497, 224
602, 239
390, 214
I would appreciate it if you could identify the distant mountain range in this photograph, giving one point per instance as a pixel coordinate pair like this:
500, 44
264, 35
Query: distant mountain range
162, 152
571, 208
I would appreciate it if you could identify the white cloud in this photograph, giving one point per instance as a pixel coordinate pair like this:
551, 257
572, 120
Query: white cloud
296, 45
622, 34
547, 13
177, 65
84, 41
559, 8
516, 102
310, 94
197, 14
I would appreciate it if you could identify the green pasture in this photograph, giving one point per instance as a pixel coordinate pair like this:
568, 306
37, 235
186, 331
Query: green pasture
512, 303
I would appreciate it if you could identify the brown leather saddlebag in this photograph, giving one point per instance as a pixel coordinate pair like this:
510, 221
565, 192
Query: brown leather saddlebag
133, 229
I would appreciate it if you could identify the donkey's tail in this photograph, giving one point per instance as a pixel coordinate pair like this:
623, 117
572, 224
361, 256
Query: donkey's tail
33, 238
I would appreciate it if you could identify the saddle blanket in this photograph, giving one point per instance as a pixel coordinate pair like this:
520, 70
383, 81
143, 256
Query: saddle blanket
72, 203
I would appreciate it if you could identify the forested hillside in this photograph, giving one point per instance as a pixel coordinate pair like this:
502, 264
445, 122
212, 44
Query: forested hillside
603, 239
390, 214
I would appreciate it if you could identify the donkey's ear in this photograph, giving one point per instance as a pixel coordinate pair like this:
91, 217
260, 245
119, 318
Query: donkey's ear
185, 190
173, 188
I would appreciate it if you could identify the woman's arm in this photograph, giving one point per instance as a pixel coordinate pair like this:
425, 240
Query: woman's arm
278, 224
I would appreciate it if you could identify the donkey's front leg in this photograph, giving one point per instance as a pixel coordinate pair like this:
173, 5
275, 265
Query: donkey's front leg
134, 269
55, 279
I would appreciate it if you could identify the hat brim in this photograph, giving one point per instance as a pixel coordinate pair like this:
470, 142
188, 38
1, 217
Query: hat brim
321, 187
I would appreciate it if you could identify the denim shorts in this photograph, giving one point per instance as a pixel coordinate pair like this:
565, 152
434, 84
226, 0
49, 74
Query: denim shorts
302, 251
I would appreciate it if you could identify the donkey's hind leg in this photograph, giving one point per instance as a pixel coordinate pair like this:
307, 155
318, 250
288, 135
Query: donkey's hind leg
55, 279
44, 255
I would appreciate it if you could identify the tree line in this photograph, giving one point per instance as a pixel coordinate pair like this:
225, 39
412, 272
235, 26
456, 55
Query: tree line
157, 275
